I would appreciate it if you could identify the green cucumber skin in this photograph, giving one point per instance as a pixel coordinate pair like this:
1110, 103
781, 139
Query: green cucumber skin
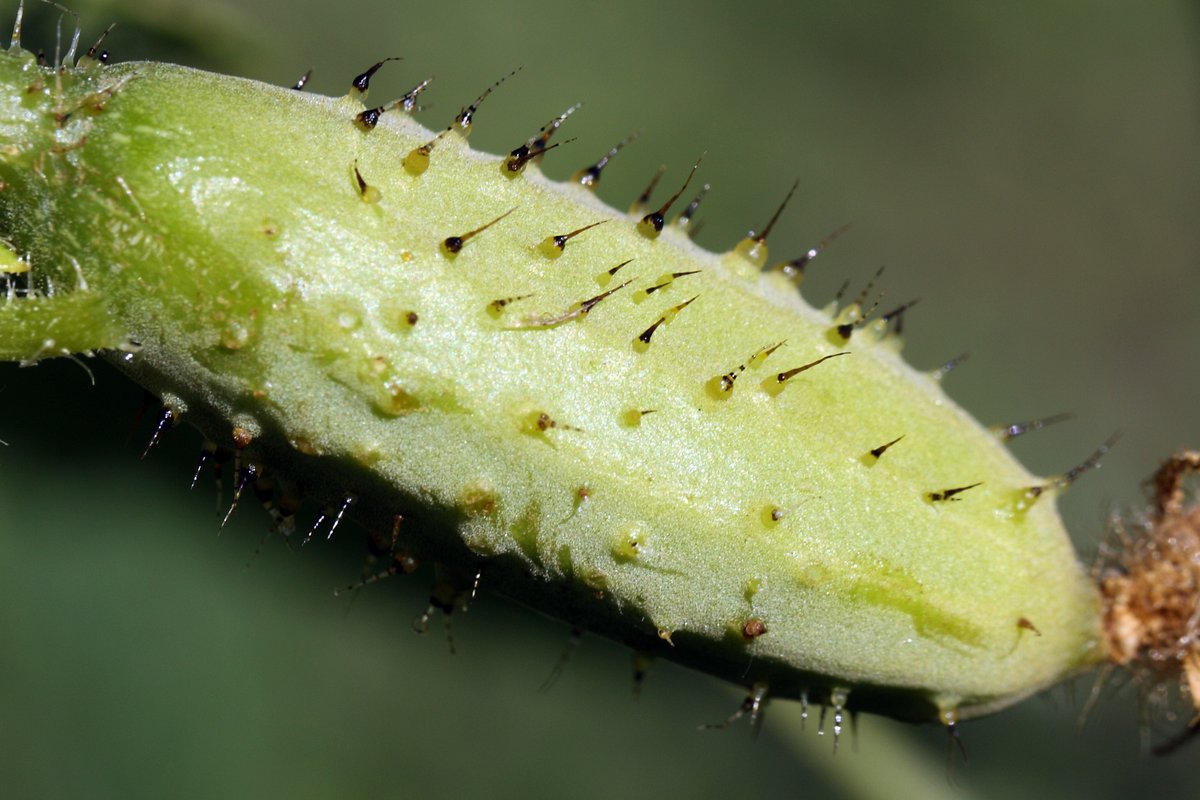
243, 295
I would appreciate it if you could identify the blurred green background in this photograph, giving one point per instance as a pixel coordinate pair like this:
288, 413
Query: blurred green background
1030, 170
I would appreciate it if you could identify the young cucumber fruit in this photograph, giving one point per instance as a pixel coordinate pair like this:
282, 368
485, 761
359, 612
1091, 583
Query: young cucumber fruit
655, 443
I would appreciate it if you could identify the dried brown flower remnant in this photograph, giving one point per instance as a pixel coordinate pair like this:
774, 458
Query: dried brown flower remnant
1151, 593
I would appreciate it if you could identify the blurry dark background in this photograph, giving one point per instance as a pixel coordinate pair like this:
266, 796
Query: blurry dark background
1031, 171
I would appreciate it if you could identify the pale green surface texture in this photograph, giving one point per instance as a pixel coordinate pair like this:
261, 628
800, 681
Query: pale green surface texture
269, 289
1030, 173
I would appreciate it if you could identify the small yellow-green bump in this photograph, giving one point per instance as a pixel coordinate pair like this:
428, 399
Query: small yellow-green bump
647, 228
367, 192
417, 161
235, 335
629, 543
595, 580
851, 315
367, 454
564, 560
873, 332
377, 365
1023, 500
771, 516
772, 385
304, 445
753, 250
753, 587
392, 399
479, 499
550, 248
536, 423
720, 387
